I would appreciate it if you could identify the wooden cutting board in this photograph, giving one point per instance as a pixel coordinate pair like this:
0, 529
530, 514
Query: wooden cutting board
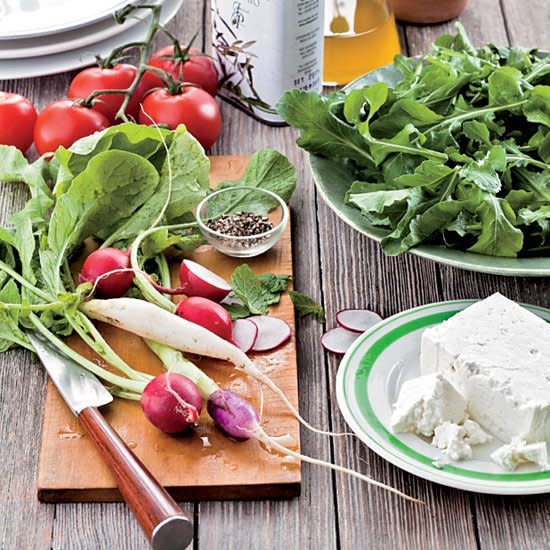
204, 464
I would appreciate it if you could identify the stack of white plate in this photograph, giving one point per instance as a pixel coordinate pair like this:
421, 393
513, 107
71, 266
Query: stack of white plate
40, 37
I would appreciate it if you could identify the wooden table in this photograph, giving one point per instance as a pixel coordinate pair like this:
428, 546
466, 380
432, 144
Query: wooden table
333, 512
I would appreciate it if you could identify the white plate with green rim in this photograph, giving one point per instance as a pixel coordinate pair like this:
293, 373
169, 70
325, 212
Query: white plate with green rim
368, 382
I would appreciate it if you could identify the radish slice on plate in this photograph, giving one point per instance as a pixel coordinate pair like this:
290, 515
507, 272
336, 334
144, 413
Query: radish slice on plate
338, 340
272, 332
357, 320
245, 333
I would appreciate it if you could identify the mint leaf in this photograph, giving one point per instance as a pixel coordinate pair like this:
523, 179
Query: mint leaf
256, 292
250, 290
274, 283
304, 305
237, 311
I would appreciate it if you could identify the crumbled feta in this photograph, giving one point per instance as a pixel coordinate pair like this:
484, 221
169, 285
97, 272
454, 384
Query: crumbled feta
475, 435
424, 403
497, 355
519, 452
450, 438
456, 441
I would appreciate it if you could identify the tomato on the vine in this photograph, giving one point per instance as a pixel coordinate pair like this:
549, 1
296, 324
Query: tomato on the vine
194, 68
63, 122
119, 77
17, 119
192, 106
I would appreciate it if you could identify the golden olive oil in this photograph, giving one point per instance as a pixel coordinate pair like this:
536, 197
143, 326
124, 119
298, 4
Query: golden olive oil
360, 35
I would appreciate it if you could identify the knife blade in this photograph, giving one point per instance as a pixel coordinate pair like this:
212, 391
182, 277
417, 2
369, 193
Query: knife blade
78, 386
162, 520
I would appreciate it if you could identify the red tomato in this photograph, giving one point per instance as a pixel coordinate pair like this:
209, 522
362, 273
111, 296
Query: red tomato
118, 77
63, 122
17, 119
196, 68
193, 107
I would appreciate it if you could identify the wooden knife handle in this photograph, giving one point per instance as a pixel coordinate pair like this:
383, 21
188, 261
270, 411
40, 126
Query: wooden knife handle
160, 517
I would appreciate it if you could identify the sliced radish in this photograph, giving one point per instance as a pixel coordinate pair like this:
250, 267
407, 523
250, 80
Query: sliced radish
357, 320
245, 333
338, 340
197, 280
272, 332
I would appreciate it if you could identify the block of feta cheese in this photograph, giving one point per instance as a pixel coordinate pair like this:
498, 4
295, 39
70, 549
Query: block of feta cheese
497, 355
519, 452
424, 403
456, 440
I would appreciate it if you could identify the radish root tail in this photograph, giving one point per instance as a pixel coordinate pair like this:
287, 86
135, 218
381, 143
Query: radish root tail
270, 442
251, 369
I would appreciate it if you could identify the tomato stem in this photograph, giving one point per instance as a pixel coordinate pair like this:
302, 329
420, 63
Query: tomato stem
174, 86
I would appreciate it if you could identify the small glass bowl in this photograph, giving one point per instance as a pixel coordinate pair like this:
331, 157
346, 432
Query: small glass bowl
248, 246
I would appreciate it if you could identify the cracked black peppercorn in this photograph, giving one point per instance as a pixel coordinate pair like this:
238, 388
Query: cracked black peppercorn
242, 224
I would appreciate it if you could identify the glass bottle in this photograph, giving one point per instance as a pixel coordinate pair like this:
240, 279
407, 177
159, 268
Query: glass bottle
360, 35
264, 48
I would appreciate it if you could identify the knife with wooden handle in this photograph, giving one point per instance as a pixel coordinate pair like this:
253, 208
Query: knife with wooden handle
162, 520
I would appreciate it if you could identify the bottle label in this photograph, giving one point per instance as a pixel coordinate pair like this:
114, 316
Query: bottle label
266, 47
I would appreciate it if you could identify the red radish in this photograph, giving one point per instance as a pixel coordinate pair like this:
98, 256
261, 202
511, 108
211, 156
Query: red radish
357, 320
245, 333
171, 402
103, 261
272, 332
207, 314
197, 280
338, 340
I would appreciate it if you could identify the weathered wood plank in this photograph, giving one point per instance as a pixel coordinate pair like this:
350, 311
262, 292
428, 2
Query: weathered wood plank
309, 521
528, 23
482, 19
508, 522
389, 285
24, 522
363, 277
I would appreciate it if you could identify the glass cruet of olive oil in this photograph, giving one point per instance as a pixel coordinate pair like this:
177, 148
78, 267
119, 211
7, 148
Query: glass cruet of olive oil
360, 35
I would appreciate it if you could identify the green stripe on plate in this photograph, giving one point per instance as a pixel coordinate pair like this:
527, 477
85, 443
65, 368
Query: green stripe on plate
361, 395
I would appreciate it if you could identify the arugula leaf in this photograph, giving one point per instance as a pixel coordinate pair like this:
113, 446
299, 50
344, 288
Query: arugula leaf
236, 311
322, 133
537, 108
451, 153
304, 305
504, 86
499, 236
402, 113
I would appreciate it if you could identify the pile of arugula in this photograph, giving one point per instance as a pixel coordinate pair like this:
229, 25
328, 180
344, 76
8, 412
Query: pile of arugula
456, 153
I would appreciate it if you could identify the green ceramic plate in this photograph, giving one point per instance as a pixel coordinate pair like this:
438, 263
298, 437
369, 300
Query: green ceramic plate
333, 179
368, 383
